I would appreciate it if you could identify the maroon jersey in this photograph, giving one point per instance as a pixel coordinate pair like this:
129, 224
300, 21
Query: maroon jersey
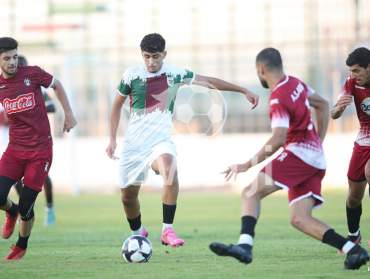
289, 108
24, 105
361, 97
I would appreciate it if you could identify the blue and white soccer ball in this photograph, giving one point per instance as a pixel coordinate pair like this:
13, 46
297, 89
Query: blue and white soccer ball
137, 249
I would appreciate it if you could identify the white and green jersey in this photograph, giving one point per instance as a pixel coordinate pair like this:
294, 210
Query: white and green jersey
153, 91
152, 99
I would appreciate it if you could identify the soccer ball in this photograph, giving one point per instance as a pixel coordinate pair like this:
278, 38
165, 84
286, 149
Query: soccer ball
199, 110
136, 249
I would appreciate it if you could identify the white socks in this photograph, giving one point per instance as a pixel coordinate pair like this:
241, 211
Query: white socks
138, 231
348, 246
166, 226
246, 239
354, 234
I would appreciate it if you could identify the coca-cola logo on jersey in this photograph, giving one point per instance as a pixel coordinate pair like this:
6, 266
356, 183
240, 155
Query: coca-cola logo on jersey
21, 103
365, 105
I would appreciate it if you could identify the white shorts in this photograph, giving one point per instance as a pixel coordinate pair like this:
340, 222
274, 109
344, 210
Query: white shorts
134, 164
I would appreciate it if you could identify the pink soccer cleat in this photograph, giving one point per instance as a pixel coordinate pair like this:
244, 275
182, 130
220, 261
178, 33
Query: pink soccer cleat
169, 237
16, 253
144, 232
9, 225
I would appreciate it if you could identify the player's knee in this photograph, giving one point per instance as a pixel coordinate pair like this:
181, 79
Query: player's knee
5, 185
297, 221
251, 191
26, 203
128, 200
26, 215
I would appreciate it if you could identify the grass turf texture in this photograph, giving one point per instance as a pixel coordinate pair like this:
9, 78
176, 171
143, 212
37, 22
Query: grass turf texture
87, 239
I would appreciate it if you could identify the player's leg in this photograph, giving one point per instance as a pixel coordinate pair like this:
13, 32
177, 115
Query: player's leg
166, 166
131, 206
26, 212
355, 195
367, 174
357, 184
8, 206
49, 210
301, 219
36, 168
251, 205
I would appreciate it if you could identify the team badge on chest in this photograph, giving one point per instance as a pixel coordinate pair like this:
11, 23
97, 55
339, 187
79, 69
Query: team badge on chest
27, 82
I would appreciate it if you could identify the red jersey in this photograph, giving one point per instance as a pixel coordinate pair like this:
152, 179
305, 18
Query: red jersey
24, 105
289, 108
361, 97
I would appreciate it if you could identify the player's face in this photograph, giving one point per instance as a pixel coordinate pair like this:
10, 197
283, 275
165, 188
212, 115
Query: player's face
362, 75
260, 74
9, 62
153, 61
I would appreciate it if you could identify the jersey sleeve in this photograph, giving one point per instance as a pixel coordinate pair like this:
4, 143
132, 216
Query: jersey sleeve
348, 87
43, 78
279, 115
124, 87
188, 77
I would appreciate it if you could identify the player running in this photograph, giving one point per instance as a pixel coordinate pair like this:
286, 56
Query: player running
29, 152
299, 168
357, 89
48, 185
152, 92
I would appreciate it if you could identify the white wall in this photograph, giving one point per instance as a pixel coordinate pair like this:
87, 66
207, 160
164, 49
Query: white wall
81, 165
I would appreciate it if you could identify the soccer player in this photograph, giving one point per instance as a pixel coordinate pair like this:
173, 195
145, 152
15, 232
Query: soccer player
152, 90
357, 89
29, 152
299, 168
48, 186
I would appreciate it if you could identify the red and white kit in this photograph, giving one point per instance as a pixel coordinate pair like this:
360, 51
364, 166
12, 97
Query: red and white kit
301, 166
29, 152
361, 149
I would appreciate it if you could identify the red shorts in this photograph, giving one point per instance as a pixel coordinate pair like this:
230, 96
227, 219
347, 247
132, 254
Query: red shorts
356, 169
300, 179
34, 166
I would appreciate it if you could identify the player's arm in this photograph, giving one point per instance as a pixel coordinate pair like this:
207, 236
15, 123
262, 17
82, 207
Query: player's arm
69, 119
220, 84
115, 116
321, 107
276, 141
338, 109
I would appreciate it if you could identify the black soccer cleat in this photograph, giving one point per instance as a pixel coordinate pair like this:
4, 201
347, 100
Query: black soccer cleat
242, 253
356, 257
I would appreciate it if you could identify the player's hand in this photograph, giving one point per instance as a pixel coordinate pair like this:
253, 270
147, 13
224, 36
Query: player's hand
111, 149
233, 170
343, 101
252, 98
69, 122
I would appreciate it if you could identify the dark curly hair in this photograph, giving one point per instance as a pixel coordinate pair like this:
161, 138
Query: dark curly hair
7, 43
152, 43
360, 56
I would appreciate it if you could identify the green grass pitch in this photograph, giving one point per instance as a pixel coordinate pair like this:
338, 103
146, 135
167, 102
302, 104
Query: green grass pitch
87, 239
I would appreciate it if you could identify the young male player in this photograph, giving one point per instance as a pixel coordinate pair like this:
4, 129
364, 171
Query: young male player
299, 168
357, 89
152, 90
48, 185
29, 152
